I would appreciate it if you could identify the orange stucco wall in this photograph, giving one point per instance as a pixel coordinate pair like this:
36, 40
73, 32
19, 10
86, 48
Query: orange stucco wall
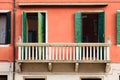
61, 23
6, 51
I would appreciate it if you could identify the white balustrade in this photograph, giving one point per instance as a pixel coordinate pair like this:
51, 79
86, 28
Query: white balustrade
64, 51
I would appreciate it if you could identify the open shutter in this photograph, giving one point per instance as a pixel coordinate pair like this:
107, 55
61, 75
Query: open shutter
41, 28
78, 27
8, 27
118, 27
41, 33
101, 24
24, 29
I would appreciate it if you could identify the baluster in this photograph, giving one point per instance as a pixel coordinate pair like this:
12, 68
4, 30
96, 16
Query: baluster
105, 53
77, 53
49, 48
39, 53
70, 53
90, 52
67, 53
97, 53
36, 52
26, 53
29, 53
60, 53
87, 52
83, 52
80, 53
19, 53
43, 53
53, 53
33, 53
108, 53
94, 53
73, 53
101, 53
108, 49
63, 54
56, 53
46, 53
22, 52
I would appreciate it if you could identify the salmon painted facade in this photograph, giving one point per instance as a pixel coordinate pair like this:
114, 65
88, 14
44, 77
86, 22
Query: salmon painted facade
54, 40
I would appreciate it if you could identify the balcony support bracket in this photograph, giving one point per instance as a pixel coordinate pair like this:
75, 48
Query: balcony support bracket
50, 67
76, 67
108, 67
18, 67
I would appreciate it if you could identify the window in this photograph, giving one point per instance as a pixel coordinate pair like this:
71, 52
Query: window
118, 27
89, 27
91, 79
35, 79
3, 77
34, 26
5, 28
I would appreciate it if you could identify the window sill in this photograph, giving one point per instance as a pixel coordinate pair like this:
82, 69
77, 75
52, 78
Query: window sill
7, 45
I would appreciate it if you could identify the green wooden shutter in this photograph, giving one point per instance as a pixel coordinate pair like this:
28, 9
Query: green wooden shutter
78, 27
101, 25
41, 28
118, 27
8, 27
41, 33
24, 29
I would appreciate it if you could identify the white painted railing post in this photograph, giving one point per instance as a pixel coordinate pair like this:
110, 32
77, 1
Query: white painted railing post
108, 49
19, 48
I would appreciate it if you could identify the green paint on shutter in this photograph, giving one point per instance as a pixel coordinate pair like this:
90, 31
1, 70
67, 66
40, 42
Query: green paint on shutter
101, 24
24, 34
41, 32
78, 30
78, 27
118, 27
41, 27
8, 28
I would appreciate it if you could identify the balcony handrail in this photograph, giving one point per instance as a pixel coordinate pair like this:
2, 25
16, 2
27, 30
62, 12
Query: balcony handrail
64, 51
64, 44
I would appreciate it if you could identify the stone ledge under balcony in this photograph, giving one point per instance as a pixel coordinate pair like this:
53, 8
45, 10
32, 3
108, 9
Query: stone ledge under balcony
63, 66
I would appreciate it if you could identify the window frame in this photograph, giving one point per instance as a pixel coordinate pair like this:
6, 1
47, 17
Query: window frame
90, 11
33, 76
92, 77
5, 12
5, 75
46, 20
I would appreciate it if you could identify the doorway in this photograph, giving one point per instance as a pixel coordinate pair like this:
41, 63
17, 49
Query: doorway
35, 79
91, 79
90, 27
3, 77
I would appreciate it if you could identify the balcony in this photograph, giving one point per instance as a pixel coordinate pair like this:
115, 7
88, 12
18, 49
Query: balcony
63, 53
